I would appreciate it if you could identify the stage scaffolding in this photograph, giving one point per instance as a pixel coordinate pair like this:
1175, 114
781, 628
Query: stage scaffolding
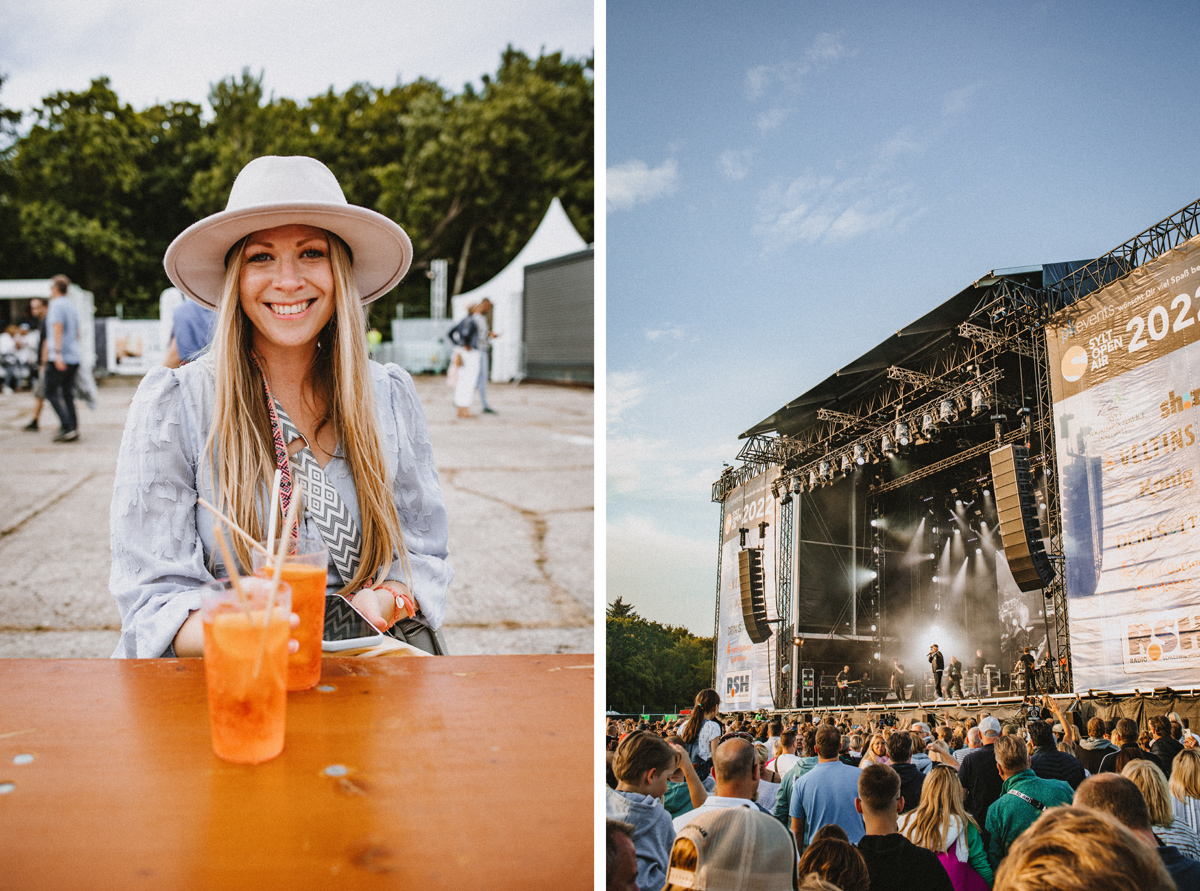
955, 351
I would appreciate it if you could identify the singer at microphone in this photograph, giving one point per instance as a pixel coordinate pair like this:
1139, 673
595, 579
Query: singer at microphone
938, 664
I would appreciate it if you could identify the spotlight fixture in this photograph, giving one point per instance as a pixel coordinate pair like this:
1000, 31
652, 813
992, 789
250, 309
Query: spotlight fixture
812, 480
947, 413
847, 465
797, 485
860, 455
928, 427
826, 470
979, 401
902, 434
885, 446
742, 536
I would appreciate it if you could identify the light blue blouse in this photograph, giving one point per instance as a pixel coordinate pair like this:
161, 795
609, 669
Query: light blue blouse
162, 540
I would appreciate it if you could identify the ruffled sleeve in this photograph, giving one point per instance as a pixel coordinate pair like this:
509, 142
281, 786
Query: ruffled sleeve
158, 559
417, 489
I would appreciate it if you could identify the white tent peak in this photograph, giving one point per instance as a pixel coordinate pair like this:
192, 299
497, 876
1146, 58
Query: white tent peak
555, 236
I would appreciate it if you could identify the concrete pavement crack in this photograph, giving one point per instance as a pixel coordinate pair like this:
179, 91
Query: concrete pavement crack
22, 518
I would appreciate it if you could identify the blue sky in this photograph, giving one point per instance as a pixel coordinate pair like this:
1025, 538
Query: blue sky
790, 185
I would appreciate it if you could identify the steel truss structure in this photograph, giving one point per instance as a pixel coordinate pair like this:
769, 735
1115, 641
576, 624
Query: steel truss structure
1008, 320
785, 551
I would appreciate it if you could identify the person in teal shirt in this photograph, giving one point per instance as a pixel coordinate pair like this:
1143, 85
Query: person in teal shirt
1023, 797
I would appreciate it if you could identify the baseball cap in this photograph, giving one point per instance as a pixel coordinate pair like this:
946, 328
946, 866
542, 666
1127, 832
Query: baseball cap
989, 726
737, 847
1058, 728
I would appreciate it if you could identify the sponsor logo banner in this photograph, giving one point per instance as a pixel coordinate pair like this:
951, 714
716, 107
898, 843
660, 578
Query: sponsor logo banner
743, 669
1125, 370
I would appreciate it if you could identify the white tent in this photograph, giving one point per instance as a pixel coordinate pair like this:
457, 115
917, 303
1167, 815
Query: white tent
555, 236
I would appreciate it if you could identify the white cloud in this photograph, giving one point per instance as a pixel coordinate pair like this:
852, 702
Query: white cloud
635, 183
764, 79
664, 466
771, 119
675, 333
668, 578
958, 101
137, 44
624, 391
735, 164
815, 209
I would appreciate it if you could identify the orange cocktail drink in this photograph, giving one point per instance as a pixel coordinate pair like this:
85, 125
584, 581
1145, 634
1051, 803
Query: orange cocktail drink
245, 668
304, 568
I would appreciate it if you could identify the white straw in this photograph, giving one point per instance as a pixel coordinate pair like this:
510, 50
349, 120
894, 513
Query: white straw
274, 512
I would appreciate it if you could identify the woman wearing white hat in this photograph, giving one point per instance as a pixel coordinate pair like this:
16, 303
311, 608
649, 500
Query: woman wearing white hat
286, 384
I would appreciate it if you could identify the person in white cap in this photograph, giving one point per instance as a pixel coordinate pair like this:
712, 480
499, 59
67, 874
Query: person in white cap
732, 849
286, 385
979, 775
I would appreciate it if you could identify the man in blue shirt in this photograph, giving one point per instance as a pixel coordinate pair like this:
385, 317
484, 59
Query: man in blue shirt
192, 329
62, 358
826, 793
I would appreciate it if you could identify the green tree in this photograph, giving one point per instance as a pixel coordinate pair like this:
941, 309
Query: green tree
78, 173
658, 667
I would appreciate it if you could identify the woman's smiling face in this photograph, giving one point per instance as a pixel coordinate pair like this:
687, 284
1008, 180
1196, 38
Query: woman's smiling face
286, 286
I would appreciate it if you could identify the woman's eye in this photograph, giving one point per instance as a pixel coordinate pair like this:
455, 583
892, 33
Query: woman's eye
313, 253
260, 257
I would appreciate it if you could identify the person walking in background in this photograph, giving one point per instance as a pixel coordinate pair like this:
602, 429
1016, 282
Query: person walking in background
192, 329
483, 336
62, 358
37, 308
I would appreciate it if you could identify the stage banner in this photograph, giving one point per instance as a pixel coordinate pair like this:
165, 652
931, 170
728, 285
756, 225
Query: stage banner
743, 669
1125, 376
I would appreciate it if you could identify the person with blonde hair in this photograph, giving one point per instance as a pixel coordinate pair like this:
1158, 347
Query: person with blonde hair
876, 752
1185, 788
286, 386
940, 823
1149, 779
1081, 849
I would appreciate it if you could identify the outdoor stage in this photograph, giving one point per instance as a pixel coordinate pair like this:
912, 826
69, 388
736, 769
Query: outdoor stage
1013, 470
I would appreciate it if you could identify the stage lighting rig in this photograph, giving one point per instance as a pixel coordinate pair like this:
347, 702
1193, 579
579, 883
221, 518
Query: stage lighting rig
928, 427
886, 447
826, 471
860, 454
847, 465
946, 412
979, 400
903, 437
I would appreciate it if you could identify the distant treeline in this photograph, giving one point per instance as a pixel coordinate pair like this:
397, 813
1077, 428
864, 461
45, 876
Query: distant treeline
651, 667
91, 187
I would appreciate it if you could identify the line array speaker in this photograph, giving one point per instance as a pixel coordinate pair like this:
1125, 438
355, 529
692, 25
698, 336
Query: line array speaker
1017, 510
754, 601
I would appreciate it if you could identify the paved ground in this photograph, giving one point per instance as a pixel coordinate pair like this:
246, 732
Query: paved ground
518, 487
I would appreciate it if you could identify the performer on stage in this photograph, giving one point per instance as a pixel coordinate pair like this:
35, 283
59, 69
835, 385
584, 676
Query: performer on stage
898, 679
979, 671
843, 685
955, 682
1026, 665
938, 663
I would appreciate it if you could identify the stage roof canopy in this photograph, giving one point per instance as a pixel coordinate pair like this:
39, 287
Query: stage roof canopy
905, 348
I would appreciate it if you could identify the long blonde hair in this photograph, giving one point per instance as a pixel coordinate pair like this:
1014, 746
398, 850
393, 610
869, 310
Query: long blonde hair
1185, 774
245, 461
941, 800
1147, 776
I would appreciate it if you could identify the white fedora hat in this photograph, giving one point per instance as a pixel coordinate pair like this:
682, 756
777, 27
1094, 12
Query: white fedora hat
278, 191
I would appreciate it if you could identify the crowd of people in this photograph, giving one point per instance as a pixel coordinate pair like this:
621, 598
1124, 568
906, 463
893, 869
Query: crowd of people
708, 801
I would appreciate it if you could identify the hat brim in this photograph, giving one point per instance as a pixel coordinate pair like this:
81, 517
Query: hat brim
195, 260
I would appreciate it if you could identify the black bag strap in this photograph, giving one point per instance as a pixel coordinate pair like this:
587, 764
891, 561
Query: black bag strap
1021, 795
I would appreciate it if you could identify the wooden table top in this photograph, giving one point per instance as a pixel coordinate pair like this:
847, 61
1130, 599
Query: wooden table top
451, 772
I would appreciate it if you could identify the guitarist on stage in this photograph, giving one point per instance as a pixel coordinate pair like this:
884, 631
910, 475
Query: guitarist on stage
843, 685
